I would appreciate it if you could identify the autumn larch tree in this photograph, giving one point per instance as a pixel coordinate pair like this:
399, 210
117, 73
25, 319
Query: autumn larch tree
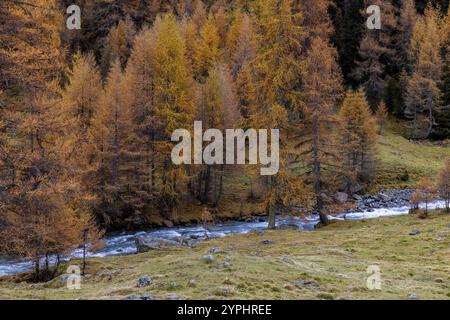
174, 104
322, 85
381, 117
40, 216
241, 42
316, 20
218, 110
423, 94
118, 45
80, 99
143, 161
246, 94
277, 76
109, 139
427, 191
206, 49
358, 140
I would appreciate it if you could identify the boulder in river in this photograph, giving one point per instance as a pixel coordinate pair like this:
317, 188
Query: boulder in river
144, 244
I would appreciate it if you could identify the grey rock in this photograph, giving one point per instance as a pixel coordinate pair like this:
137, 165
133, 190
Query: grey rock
208, 258
167, 284
106, 274
414, 232
174, 297
191, 243
192, 283
326, 198
225, 292
412, 296
144, 281
227, 264
168, 223
357, 197
384, 197
145, 296
288, 225
216, 250
63, 278
341, 197
267, 241
260, 232
144, 244
288, 260
309, 284
355, 188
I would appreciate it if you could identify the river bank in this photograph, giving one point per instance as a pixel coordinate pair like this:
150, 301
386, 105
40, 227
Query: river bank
329, 263
391, 202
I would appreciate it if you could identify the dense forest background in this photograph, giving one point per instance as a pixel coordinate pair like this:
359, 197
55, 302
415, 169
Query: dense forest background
86, 115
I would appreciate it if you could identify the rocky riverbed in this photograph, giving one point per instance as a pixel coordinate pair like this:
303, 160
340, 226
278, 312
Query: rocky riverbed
388, 198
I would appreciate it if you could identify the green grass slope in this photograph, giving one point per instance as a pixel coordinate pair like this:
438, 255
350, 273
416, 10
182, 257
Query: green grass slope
401, 162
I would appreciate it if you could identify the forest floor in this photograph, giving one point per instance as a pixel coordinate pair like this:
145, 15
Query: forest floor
329, 263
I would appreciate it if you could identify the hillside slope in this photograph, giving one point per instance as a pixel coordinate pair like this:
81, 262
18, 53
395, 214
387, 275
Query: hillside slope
401, 162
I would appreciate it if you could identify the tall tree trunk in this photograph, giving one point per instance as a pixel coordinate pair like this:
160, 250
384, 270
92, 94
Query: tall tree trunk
206, 187
430, 120
414, 133
269, 210
84, 252
46, 263
219, 194
317, 174
115, 161
58, 262
447, 202
271, 213
36, 268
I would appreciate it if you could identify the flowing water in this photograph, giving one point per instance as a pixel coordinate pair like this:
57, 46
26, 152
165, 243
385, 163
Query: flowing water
123, 244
